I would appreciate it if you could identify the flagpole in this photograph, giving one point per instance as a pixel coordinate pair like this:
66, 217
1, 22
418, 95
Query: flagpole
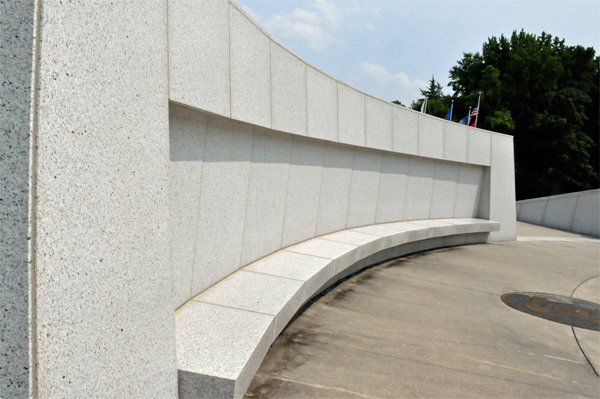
469, 121
451, 107
478, 110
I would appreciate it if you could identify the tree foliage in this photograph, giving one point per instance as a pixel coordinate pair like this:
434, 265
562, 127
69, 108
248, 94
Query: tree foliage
545, 94
437, 102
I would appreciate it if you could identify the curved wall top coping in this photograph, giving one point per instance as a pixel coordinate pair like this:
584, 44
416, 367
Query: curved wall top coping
567, 195
253, 89
277, 41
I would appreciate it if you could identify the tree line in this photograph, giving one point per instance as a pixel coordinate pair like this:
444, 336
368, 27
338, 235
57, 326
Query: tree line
542, 92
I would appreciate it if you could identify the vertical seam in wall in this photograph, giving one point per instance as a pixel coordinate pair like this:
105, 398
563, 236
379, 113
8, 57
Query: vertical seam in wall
168, 58
350, 194
460, 171
199, 203
382, 155
392, 128
435, 166
32, 228
230, 69
169, 177
247, 193
337, 119
490, 182
418, 135
393, 148
545, 208
287, 191
406, 186
328, 146
306, 97
365, 126
443, 141
574, 212
270, 82
320, 190
467, 160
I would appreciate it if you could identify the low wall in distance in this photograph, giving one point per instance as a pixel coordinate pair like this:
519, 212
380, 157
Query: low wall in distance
577, 212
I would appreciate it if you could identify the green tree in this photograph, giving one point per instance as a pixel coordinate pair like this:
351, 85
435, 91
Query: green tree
437, 102
545, 94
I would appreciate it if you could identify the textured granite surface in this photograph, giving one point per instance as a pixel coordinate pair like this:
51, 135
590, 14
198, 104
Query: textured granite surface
16, 41
103, 276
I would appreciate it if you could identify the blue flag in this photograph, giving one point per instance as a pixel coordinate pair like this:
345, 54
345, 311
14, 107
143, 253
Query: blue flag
465, 120
449, 114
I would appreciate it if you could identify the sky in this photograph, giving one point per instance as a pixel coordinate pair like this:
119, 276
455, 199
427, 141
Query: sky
391, 48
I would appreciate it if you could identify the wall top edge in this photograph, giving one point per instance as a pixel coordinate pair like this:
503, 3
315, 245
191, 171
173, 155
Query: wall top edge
532, 200
276, 41
567, 195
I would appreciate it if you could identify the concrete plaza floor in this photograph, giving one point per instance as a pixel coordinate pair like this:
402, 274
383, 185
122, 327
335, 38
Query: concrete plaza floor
432, 325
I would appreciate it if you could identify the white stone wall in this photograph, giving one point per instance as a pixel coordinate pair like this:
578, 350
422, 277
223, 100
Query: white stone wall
240, 192
127, 206
578, 212
101, 317
224, 63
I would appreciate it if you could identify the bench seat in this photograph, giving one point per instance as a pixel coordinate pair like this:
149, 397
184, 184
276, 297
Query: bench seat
223, 333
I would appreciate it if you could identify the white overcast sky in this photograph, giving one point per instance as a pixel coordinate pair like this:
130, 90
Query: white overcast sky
391, 48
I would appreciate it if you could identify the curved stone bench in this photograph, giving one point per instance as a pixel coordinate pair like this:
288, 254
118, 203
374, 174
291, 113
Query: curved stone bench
223, 333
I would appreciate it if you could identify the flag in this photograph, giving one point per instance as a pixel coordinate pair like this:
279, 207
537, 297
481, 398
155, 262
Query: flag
474, 115
464, 121
449, 114
424, 105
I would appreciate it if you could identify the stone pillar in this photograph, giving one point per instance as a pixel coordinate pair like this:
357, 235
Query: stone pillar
92, 311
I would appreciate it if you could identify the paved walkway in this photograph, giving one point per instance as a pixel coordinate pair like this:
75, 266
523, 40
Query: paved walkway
432, 325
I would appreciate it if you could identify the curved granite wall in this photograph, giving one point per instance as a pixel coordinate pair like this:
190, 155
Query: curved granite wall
87, 263
222, 62
240, 192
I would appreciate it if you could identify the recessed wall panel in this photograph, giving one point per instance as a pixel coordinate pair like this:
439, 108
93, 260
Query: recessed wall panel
335, 188
419, 188
365, 184
304, 187
445, 187
392, 187
225, 174
267, 188
187, 135
468, 193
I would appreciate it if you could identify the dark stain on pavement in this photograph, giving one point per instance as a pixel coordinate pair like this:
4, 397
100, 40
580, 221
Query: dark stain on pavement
287, 353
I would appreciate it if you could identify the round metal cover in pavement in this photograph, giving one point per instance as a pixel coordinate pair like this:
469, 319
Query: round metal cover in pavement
561, 309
